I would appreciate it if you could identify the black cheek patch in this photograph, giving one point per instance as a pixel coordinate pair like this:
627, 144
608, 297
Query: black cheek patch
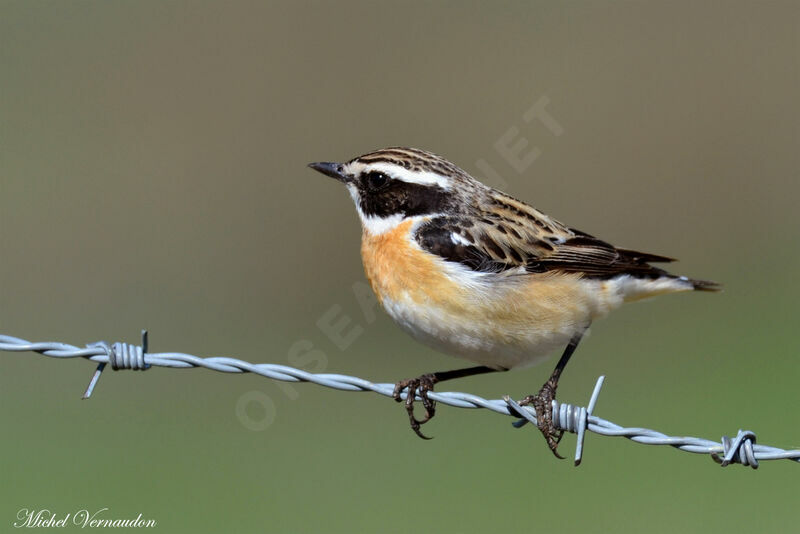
403, 198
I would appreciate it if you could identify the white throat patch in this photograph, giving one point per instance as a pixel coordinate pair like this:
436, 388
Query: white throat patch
381, 225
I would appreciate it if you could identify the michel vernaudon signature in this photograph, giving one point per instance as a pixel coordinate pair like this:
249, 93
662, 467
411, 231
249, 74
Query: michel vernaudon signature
28, 518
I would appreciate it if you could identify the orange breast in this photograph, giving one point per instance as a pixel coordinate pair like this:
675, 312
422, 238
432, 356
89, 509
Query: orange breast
398, 270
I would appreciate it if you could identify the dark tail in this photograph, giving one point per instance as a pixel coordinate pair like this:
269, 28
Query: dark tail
643, 258
705, 285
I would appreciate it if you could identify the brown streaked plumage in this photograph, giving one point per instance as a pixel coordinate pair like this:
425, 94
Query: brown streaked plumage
483, 276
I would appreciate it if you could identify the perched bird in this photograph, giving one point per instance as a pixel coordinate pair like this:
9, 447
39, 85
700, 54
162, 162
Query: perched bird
479, 275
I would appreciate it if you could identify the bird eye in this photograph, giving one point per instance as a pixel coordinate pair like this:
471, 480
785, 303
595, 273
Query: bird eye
376, 180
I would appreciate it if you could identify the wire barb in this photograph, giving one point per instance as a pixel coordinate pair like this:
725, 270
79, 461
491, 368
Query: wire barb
742, 450
121, 356
566, 417
738, 450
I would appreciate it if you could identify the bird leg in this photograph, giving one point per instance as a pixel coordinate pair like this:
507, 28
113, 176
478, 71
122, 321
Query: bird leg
422, 385
543, 401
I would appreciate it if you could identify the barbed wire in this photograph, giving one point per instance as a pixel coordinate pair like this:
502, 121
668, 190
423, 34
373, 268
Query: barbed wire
741, 449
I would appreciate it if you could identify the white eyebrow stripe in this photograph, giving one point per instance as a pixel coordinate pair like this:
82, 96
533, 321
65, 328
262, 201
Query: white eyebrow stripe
412, 177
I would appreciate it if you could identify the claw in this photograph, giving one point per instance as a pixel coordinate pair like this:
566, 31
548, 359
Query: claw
417, 386
543, 404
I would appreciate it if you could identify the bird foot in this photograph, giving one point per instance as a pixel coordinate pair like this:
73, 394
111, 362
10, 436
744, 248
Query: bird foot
542, 402
417, 386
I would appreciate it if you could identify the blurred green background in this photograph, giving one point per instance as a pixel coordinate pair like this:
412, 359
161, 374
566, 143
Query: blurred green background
152, 175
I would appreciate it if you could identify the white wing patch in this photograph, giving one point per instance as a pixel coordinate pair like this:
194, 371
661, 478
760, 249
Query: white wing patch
458, 239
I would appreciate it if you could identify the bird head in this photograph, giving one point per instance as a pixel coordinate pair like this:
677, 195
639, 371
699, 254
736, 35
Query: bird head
391, 185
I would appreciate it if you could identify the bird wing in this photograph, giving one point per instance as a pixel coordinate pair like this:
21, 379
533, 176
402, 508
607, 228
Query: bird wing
506, 234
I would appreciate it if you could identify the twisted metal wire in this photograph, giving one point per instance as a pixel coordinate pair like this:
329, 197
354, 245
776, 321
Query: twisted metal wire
741, 449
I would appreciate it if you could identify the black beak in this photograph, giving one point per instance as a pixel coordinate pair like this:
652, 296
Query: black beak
334, 170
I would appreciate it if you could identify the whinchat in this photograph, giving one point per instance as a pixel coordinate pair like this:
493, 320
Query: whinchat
482, 276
